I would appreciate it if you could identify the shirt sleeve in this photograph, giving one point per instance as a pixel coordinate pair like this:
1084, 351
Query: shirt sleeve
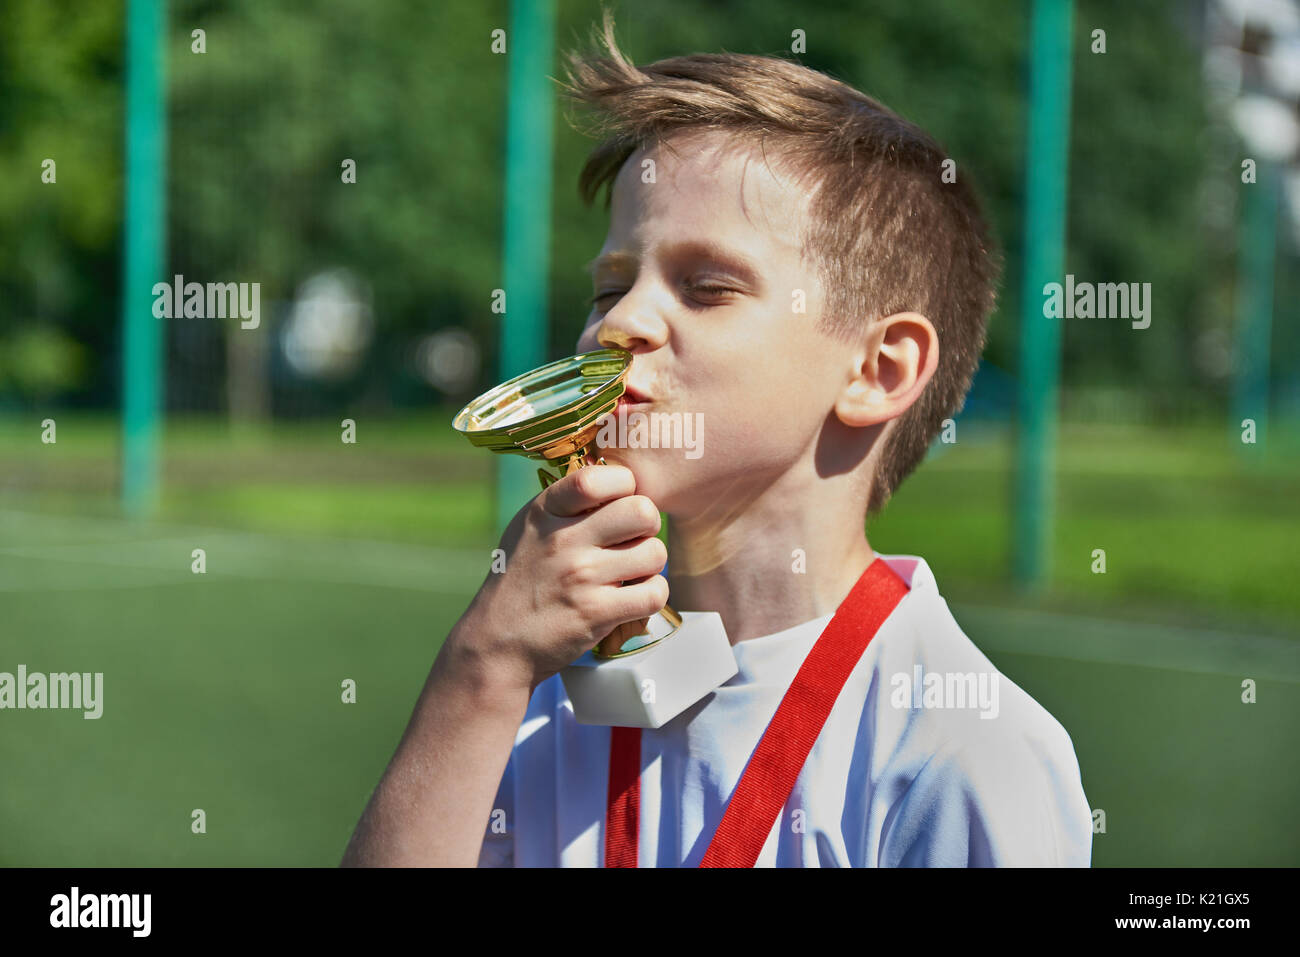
499, 838
994, 803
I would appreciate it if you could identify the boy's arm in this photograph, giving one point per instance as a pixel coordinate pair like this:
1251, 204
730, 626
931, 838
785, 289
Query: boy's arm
499, 839
433, 803
583, 559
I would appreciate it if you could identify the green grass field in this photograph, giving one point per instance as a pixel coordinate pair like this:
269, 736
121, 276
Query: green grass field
327, 562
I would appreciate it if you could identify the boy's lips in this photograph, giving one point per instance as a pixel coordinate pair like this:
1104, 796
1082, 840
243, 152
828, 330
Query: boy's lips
625, 406
633, 398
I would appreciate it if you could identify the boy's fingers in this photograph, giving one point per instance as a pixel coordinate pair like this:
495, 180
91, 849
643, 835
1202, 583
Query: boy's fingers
588, 488
631, 562
634, 602
630, 517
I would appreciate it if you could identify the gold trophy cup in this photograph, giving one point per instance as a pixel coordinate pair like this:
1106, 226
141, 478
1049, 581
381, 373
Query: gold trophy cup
638, 675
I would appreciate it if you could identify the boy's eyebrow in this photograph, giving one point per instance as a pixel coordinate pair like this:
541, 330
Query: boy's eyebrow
610, 259
707, 249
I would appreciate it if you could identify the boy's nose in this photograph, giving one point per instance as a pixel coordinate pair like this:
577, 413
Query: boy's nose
632, 334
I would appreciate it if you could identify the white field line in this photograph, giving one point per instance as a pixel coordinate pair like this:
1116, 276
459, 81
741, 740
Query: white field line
1118, 642
262, 557
165, 557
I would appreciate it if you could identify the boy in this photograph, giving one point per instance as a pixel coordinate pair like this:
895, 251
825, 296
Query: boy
786, 259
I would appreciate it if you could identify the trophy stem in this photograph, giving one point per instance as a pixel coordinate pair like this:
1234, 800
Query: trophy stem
571, 464
611, 645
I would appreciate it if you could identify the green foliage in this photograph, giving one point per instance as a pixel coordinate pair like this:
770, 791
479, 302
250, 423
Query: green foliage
260, 123
41, 361
61, 99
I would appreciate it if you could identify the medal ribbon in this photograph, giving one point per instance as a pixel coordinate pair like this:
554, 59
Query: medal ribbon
773, 768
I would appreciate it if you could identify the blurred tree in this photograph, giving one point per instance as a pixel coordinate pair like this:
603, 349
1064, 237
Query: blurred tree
263, 120
40, 361
60, 100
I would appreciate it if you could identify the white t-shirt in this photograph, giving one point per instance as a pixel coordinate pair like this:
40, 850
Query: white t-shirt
906, 772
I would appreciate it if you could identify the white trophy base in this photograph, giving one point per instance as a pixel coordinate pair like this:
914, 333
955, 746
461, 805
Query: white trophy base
673, 674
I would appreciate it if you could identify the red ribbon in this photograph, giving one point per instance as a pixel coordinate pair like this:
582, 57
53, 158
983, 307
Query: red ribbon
774, 766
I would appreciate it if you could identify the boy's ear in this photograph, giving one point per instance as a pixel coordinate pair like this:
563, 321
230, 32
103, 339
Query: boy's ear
894, 365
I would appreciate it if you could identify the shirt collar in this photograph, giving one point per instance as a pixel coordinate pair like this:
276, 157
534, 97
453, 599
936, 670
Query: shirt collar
912, 569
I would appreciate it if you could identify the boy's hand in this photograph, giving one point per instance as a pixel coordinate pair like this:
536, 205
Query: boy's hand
568, 552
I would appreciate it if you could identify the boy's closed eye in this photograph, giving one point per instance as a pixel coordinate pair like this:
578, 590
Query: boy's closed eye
703, 294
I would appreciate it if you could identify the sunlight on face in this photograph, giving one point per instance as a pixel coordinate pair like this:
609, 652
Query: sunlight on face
700, 278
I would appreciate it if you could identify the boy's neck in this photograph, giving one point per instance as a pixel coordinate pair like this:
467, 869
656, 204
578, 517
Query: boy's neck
745, 567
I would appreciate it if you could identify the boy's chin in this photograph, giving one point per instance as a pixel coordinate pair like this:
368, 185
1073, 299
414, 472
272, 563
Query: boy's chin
654, 479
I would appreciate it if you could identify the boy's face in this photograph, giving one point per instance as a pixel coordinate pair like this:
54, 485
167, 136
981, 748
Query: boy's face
700, 278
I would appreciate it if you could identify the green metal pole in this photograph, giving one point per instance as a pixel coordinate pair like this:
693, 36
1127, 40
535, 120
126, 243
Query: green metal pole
1047, 152
529, 118
1255, 303
145, 255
